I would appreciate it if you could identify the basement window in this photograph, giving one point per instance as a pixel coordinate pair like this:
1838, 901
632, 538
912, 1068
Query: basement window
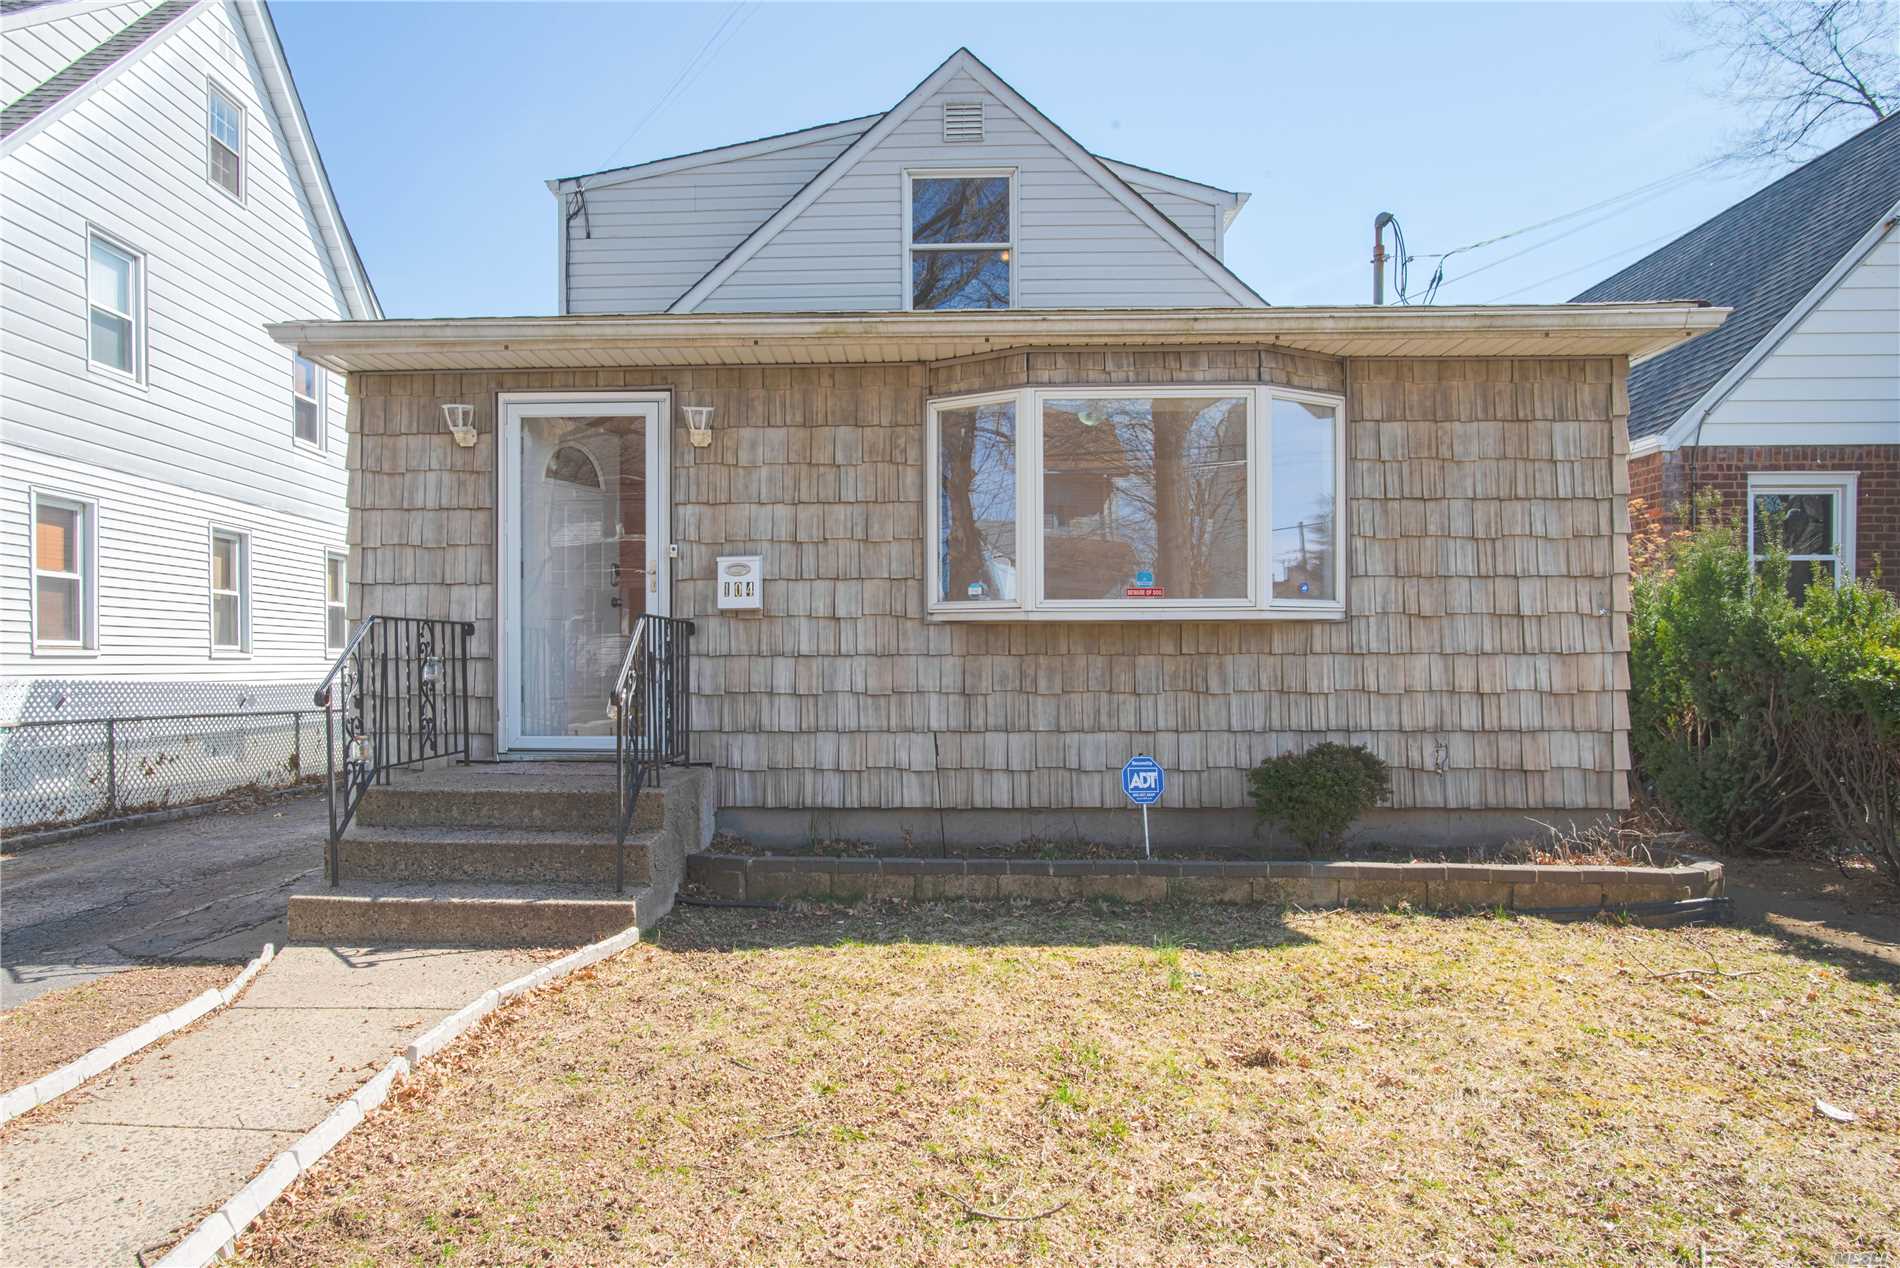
1136, 503
959, 230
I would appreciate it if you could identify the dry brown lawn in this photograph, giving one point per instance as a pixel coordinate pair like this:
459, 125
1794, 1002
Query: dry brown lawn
1200, 1085
49, 1030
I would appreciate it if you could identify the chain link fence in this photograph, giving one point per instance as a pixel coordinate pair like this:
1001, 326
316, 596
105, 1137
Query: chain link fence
57, 773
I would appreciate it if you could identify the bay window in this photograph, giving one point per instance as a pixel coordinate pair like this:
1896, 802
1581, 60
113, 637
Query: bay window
1135, 503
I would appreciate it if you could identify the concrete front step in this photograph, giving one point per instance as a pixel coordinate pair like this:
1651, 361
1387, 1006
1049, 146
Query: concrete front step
536, 796
374, 913
506, 855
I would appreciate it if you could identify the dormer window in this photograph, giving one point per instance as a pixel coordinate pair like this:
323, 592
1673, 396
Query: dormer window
959, 244
224, 142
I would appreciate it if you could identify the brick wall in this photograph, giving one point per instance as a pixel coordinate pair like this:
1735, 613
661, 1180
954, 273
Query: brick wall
1668, 480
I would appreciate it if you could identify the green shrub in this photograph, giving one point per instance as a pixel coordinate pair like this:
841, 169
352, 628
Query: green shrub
1316, 795
1709, 714
1840, 655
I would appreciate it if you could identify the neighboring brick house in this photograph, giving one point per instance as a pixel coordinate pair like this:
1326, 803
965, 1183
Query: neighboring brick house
1792, 408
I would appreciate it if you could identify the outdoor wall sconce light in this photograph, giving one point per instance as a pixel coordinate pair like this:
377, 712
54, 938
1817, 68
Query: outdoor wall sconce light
459, 426
699, 425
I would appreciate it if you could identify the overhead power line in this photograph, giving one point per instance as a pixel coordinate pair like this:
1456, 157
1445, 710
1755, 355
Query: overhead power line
735, 17
1602, 259
1615, 205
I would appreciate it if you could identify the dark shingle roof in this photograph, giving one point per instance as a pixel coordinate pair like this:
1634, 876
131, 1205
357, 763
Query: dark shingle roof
89, 67
1760, 257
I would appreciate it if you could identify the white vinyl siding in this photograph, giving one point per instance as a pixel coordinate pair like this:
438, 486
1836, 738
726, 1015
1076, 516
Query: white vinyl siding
1199, 220
32, 52
150, 577
641, 243
130, 157
1835, 378
208, 436
1076, 245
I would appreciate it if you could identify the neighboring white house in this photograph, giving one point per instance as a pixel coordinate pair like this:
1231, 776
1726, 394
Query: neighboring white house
1792, 409
963, 195
172, 523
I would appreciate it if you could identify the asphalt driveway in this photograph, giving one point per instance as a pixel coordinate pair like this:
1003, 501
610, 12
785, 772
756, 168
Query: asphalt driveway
211, 888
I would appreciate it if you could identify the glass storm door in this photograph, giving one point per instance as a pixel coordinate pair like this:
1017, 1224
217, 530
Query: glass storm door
583, 555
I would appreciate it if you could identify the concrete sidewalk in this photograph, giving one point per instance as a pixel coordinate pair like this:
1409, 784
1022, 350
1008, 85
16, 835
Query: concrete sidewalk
130, 1161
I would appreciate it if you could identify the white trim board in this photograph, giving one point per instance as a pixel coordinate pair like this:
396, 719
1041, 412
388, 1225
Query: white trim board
1683, 430
964, 62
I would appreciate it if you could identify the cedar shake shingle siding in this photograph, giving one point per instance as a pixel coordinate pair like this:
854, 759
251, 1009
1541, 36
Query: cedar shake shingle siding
1484, 653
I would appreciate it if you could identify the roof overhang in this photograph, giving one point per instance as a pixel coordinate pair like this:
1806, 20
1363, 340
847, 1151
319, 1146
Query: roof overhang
725, 339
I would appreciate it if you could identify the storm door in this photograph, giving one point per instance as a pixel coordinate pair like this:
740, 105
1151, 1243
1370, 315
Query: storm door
583, 520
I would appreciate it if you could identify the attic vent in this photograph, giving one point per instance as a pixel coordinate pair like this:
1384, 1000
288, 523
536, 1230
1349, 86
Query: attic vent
962, 121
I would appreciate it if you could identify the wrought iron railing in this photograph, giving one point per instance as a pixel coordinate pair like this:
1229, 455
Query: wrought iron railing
396, 696
652, 727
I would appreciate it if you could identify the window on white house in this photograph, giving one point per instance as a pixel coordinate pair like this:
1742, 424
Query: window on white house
336, 622
1082, 504
224, 142
113, 290
306, 400
230, 591
1811, 516
62, 573
959, 247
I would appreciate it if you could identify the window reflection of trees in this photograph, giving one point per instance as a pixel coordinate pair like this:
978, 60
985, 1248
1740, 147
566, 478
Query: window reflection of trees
1145, 485
952, 210
977, 488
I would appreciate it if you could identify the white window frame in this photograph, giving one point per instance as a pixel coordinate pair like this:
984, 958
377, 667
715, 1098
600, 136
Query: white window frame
136, 317
323, 422
1843, 485
243, 646
213, 91
909, 248
342, 558
87, 557
1030, 603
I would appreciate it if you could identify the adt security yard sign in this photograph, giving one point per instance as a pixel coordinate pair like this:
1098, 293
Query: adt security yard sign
1144, 781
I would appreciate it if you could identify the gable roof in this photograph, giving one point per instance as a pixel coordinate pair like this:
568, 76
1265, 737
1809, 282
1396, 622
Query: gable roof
1766, 258
967, 62
100, 64
90, 65
1229, 201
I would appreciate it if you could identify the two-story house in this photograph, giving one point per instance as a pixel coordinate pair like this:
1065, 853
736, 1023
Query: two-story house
171, 480
976, 471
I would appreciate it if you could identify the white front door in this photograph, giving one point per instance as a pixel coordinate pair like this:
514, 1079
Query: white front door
583, 521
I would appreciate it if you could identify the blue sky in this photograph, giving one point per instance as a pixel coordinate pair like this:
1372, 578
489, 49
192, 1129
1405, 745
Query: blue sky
439, 122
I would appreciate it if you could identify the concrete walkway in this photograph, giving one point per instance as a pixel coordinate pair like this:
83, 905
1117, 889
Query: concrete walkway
209, 888
132, 1160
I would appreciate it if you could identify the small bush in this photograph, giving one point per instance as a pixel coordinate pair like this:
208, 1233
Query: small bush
1316, 795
